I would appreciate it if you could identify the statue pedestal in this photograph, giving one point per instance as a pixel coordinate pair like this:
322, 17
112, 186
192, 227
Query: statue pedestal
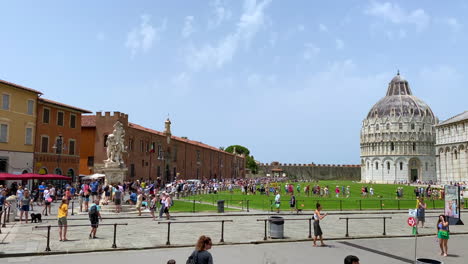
114, 175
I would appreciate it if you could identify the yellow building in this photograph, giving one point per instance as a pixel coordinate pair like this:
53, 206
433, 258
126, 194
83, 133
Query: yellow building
18, 107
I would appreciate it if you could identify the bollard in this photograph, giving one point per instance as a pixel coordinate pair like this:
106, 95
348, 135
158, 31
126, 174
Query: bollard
310, 228
1, 221
114, 245
265, 237
8, 214
398, 204
4, 217
433, 204
73, 205
247, 206
168, 242
48, 239
222, 232
347, 233
193, 207
360, 205
384, 233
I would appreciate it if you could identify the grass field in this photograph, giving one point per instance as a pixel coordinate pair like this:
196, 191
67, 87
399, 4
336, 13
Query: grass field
190, 206
384, 198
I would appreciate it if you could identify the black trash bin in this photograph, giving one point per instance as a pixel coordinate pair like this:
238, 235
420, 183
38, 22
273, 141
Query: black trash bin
424, 260
221, 206
276, 226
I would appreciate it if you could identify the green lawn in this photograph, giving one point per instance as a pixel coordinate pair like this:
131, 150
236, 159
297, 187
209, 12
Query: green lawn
384, 198
182, 206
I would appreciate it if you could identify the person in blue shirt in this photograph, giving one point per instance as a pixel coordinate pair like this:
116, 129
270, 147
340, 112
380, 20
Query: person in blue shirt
94, 189
133, 198
40, 199
3, 201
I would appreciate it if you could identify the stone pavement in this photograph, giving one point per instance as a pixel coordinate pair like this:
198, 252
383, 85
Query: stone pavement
142, 232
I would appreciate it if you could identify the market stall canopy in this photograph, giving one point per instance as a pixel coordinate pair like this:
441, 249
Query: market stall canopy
94, 176
33, 176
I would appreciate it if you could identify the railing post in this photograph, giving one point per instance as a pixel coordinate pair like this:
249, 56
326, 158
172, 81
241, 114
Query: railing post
247, 206
48, 239
433, 204
265, 237
222, 231
384, 233
398, 204
347, 233
360, 205
1, 214
4, 216
8, 214
193, 207
73, 205
114, 245
168, 242
381, 208
341, 205
310, 228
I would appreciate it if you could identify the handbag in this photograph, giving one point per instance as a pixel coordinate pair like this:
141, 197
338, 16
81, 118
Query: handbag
49, 200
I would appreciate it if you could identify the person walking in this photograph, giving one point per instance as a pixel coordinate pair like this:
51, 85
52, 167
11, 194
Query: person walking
62, 219
421, 211
94, 217
317, 229
139, 202
153, 203
162, 198
277, 202
47, 201
118, 199
201, 255
292, 202
167, 206
24, 206
443, 235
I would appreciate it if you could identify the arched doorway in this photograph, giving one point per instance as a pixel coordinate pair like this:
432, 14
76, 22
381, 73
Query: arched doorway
24, 172
414, 167
58, 171
42, 171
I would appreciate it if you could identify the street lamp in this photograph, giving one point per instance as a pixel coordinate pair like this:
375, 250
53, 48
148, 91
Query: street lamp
59, 147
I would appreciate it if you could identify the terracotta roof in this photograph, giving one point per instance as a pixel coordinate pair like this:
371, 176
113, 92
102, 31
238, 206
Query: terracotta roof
192, 142
64, 105
19, 86
88, 121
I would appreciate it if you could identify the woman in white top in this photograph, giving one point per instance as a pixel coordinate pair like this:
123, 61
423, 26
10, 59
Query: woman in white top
167, 205
47, 201
317, 229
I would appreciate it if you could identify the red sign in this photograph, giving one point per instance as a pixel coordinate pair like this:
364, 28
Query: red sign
411, 221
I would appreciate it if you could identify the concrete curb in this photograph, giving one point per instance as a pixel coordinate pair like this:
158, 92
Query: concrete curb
33, 254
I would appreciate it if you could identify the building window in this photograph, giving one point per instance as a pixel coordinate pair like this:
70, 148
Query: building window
412, 126
392, 146
3, 164
105, 140
160, 154
44, 144
377, 166
130, 144
388, 126
456, 155
414, 146
90, 161
401, 165
426, 166
6, 102
45, 115
147, 146
142, 163
377, 127
400, 126
60, 117
388, 165
72, 121
29, 137
71, 147
198, 156
367, 165
30, 107
132, 170
4, 133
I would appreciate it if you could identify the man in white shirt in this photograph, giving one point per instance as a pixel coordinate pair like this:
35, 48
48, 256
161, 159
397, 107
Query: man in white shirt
277, 202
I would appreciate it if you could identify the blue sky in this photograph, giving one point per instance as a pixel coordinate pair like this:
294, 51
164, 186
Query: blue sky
290, 80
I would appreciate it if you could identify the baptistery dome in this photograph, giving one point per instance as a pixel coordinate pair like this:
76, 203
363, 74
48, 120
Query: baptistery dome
398, 137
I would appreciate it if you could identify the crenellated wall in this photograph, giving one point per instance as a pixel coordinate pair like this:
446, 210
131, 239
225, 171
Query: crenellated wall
311, 171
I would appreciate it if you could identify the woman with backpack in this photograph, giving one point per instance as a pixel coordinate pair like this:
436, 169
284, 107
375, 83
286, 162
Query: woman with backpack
201, 255
94, 217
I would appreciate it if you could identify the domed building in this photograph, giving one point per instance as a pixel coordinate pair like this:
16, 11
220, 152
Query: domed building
398, 138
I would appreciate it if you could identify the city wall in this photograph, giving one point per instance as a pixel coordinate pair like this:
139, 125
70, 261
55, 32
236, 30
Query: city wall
311, 171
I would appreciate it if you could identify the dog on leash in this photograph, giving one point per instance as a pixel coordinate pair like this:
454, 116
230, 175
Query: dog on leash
36, 218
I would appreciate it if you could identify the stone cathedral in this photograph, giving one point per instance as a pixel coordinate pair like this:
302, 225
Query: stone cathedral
398, 138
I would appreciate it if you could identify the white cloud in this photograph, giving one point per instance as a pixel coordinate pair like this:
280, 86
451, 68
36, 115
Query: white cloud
221, 13
141, 38
188, 27
339, 44
453, 24
396, 15
215, 56
310, 51
323, 28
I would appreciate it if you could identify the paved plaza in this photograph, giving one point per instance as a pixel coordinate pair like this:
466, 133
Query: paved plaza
143, 232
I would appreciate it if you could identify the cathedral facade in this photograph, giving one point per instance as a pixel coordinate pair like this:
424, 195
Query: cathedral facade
398, 138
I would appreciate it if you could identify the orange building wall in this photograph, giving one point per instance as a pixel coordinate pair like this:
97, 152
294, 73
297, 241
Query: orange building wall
87, 149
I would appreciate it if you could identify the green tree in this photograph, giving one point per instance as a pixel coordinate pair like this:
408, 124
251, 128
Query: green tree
249, 160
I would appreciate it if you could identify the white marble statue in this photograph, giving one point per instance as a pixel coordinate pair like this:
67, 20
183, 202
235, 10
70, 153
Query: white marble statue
115, 145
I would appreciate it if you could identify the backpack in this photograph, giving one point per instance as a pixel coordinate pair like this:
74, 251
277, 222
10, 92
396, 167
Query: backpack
192, 259
93, 210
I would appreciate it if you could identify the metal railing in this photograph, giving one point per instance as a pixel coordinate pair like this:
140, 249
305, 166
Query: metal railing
168, 242
287, 219
114, 244
361, 218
